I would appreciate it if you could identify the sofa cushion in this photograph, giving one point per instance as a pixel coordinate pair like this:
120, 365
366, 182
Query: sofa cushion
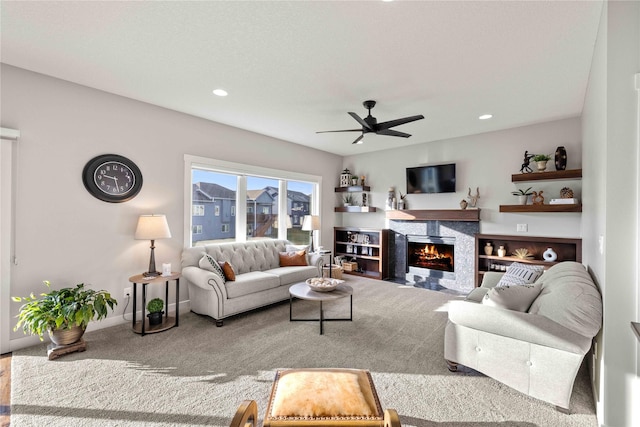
291, 259
250, 283
291, 275
520, 274
208, 263
570, 297
518, 297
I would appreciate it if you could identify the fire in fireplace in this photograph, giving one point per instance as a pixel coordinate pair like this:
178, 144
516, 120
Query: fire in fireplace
432, 255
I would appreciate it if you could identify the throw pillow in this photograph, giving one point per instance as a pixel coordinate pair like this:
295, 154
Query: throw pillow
292, 259
227, 269
520, 274
208, 263
518, 298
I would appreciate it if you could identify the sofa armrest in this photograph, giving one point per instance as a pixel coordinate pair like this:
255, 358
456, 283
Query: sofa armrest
520, 326
204, 279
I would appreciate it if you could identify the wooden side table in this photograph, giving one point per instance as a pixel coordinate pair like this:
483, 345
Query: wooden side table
142, 327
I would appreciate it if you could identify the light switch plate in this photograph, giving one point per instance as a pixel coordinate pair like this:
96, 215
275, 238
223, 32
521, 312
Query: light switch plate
523, 228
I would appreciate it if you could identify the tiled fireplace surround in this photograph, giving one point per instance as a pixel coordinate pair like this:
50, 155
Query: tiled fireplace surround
463, 231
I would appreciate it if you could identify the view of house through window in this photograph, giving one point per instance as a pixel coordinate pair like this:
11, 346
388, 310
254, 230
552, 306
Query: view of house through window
214, 205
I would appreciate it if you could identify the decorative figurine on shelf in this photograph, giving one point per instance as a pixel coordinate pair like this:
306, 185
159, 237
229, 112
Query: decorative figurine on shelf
561, 158
463, 204
473, 200
525, 163
488, 249
362, 180
502, 251
538, 198
566, 193
364, 199
391, 197
345, 178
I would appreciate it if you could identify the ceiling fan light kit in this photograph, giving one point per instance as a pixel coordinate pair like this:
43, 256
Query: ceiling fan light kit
370, 124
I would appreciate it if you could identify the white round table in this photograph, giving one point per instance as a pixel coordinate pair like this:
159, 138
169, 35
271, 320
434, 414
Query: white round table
303, 291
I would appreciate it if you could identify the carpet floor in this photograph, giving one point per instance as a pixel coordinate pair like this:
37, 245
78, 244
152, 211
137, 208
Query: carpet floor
197, 374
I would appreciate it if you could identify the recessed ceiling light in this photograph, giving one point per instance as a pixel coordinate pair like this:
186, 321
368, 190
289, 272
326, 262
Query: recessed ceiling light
220, 92
485, 116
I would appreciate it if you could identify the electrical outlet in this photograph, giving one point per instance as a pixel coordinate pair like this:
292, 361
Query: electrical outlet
127, 292
522, 228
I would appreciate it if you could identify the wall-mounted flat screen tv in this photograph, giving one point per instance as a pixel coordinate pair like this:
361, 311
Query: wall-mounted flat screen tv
432, 179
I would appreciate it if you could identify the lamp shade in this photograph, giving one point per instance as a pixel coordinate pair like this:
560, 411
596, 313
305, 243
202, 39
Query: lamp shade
311, 222
152, 227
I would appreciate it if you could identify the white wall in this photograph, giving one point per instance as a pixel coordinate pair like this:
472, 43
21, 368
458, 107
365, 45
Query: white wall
611, 205
486, 161
65, 235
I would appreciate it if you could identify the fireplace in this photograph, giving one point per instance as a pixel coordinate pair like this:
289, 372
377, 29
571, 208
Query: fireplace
452, 239
431, 253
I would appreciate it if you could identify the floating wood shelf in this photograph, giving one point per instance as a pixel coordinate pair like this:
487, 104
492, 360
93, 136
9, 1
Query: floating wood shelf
355, 209
435, 215
539, 176
352, 189
540, 208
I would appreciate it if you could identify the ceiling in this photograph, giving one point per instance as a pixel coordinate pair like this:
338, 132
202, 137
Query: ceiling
294, 68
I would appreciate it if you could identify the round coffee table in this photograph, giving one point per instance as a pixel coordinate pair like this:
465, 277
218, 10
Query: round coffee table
303, 291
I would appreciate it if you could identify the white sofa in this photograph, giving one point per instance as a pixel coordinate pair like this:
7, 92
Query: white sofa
260, 280
537, 352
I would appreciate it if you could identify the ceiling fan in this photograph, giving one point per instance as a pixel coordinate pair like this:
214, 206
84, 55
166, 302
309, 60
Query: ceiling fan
370, 124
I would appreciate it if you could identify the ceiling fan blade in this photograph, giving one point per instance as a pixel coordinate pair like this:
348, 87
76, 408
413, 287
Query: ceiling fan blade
391, 132
345, 130
398, 122
360, 120
358, 139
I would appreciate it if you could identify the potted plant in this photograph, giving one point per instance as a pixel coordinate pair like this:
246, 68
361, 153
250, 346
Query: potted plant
63, 313
541, 161
348, 200
523, 195
354, 179
154, 307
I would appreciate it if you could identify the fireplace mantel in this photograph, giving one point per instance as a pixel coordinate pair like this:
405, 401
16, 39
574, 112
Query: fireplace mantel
435, 215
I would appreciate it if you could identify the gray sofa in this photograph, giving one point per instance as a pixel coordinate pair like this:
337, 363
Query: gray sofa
260, 280
537, 352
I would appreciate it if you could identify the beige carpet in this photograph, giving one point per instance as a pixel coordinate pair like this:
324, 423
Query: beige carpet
197, 374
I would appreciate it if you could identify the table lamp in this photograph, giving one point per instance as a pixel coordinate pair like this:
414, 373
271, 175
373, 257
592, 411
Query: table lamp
152, 227
311, 223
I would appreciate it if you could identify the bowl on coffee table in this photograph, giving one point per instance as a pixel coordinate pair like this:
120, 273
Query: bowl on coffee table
323, 284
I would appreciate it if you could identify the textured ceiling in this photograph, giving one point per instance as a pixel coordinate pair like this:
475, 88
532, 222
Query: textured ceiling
294, 68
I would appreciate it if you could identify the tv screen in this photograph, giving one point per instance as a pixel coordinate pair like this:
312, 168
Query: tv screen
432, 179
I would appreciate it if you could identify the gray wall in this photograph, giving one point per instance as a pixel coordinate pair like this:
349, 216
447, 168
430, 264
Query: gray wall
611, 211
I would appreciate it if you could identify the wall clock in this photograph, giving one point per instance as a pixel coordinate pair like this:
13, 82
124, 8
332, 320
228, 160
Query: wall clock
112, 178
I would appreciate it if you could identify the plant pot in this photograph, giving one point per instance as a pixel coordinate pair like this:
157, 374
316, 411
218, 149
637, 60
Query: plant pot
155, 318
523, 199
541, 165
66, 336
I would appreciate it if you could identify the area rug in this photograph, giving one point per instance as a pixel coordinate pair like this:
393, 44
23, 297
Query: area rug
197, 374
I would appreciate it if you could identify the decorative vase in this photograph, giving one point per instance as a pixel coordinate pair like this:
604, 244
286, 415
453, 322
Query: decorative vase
463, 204
502, 251
488, 249
354, 180
364, 199
541, 165
400, 205
561, 158
550, 255
391, 195
66, 336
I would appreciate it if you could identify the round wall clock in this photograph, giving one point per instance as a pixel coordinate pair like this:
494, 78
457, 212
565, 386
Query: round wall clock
112, 178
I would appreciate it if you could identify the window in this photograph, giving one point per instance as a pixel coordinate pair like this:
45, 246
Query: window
198, 210
247, 202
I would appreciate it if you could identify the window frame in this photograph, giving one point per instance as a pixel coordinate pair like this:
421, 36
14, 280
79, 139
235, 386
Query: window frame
242, 171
